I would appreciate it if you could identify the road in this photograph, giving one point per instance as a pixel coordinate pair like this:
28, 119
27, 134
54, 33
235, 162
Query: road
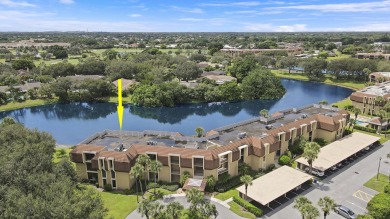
345, 186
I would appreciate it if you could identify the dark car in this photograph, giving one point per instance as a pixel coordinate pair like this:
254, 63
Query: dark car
345, 212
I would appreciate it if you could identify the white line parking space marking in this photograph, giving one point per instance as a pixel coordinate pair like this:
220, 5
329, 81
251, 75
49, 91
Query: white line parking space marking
356, 205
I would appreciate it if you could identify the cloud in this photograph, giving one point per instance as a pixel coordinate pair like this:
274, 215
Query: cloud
11, 3
191, 19
68, 2
135, 15
272, 28
188, 10
255, 12
18, 15
247, 4
210, 21
343, 7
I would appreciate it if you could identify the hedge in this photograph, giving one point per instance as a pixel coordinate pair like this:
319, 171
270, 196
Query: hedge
284, 160
366, 129
248, 206
232, 182
172, 188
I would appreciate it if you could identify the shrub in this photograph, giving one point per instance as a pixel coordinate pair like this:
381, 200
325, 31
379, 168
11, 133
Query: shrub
379, 206
127, 191
150, 185
284, 160
297, 146
223, 178
348, 107
107, 187
366, 129
184, 177
320, 141
210, 183
270, 168
248, 206
232, 182
387, 189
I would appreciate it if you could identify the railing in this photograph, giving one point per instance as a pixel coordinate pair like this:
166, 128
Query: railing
222, 170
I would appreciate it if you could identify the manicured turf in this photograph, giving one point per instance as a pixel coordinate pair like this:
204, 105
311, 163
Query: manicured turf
226, 195
24, 104
237, 209
119, 205
378, 185
343, 103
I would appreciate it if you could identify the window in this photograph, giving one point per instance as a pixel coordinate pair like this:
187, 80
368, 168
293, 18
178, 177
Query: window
92, 176
104, 174
114, 183
263, 158
88, 157
310, 135
152, 156
278, 153
89, 166
111, 163
112, 174
242, 155
101, 163
104, 182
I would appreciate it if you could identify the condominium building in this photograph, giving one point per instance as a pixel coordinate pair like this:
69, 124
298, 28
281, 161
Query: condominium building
108, 157
366, 99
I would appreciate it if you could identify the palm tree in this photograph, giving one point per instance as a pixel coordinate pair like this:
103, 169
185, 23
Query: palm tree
299, 203
356, 111
155, 167
144, 160
136, 171
380, 101
382, 117
199, 131
194, 196
264, 113
327, 204
247, 180
174, 209
145, 208
310, 153
310, 212
211, 210
157, 210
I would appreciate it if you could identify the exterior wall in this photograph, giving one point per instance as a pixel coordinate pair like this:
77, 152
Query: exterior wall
124, 181
326, 135
367, 107
211, 173
255, 162
284, 147
270, 159
233, 168
81, 170
186, 169
164, 174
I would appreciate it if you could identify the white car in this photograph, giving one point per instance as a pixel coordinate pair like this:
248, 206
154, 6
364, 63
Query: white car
315, 172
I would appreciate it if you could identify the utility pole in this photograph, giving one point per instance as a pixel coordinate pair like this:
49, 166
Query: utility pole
379, 166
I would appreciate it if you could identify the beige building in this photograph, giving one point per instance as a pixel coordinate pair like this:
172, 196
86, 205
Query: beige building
366, 99
258, 142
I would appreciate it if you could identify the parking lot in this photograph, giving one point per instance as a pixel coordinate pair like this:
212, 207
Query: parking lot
344, 185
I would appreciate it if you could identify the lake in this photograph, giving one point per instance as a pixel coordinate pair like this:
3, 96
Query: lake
71, 123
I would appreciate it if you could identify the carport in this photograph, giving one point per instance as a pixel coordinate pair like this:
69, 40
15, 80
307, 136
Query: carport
339, 150
275, 184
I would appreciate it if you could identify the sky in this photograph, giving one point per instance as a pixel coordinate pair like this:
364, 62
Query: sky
194, 15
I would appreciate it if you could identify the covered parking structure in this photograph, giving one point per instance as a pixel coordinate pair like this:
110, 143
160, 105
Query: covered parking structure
275, 184
339, 150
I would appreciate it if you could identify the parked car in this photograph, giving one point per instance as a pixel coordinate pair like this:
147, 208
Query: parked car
315, 172
345, 212
334, 168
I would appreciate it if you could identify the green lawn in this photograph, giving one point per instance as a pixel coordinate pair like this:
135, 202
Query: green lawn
378, 185
237, 209
339, 56
329, 79
226, 195
27, 103
342, 103
119, 205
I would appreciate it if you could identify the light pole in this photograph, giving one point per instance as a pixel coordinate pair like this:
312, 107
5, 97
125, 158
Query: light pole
379, 166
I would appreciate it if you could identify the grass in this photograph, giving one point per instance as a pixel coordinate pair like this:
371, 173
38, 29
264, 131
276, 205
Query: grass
339, 56
119, 205
343, 103
377, 185
237, 209
27, 103
226, 195
328, 79
58, 156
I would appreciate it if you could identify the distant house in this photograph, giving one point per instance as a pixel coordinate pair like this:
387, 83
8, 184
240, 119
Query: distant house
221, 79
189, 84
79, 78
202, 64
216, 72
379, 76
377, 55
125, 83
23, 87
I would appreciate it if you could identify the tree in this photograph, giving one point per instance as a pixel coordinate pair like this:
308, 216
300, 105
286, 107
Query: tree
146, 208
241, 68
323, 102
32, 186
382, 117
379, 206
199, 131
136, 171
198, 57
110, 54
230, 91
300, 203
184, 177
145, 161
356, 111
327, 204
60, 69
289, 62
264, 113
155, 167
314, 67
310, 153
174, 209
214, 47
210, 183
262, 84
247, 180
310, 212
23, 64
187, 71
61, 88
199, 208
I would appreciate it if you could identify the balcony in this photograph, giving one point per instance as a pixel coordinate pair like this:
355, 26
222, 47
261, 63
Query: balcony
223, 159
222, 170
